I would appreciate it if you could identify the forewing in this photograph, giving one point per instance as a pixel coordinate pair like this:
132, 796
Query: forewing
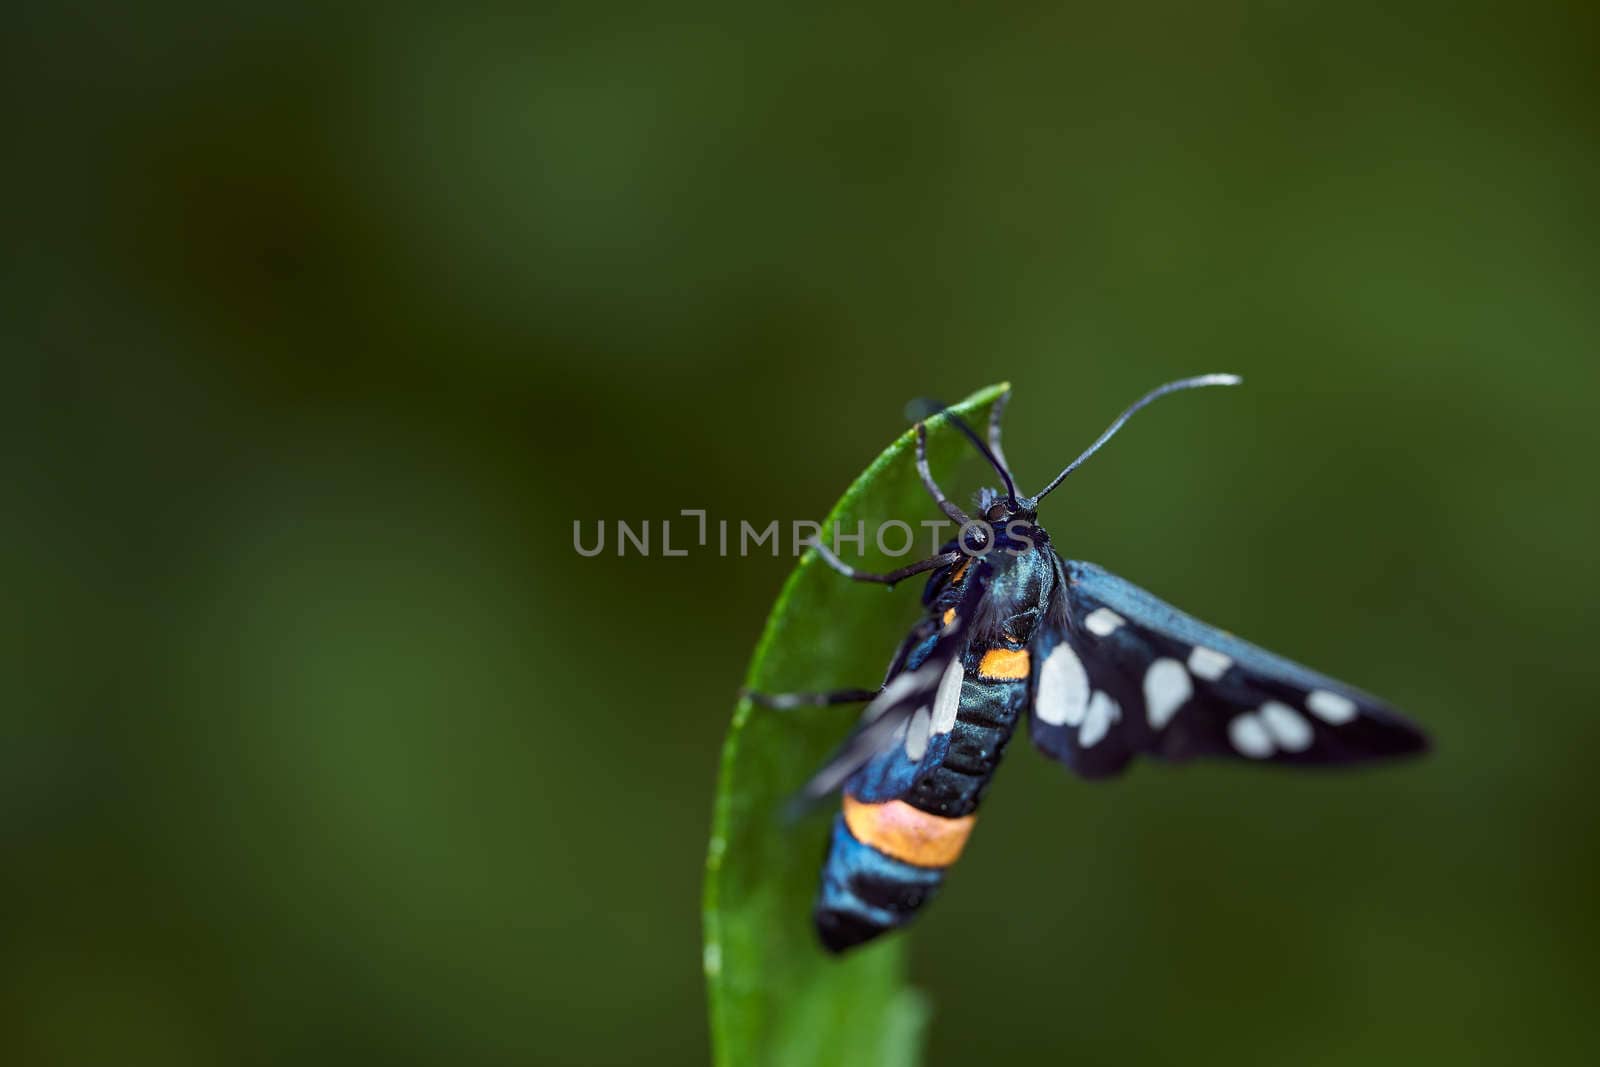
905, 731
1119, 672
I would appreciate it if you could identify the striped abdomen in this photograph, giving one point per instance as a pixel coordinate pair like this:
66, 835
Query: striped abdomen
888, 856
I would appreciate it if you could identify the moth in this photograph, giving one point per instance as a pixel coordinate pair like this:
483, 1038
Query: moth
1105, 671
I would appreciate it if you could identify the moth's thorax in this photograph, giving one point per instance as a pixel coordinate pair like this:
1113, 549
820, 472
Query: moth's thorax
1020, 583
1019, 575
1017, 536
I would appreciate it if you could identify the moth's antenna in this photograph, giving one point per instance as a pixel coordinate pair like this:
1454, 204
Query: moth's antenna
1197, 382
922, 408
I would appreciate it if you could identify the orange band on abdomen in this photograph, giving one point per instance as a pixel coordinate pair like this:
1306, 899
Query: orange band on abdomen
897, 829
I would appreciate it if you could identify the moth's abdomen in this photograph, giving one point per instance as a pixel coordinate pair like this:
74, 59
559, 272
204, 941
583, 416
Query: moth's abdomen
884, 862
993, 695
888, 857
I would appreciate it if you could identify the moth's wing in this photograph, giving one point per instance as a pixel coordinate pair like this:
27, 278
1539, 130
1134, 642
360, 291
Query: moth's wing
905, 731
1118, 672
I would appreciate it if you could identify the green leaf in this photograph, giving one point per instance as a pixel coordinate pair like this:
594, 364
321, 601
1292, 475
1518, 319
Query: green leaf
775, 996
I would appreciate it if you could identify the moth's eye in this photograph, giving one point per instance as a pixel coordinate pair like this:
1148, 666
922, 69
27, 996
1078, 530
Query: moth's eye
996, 512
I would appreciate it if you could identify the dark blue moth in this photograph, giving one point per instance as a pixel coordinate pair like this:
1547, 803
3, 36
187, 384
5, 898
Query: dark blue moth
1106, 671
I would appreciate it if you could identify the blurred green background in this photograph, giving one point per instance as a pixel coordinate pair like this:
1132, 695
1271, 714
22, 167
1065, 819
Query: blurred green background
321, 743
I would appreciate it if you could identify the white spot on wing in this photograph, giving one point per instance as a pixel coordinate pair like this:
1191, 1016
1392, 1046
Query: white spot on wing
1331, 708
1208, 664
903, 685
1063, 693
1249, 736
1287, 726
1166, 687
1103, 621
917, 735
947, 701
1103, 711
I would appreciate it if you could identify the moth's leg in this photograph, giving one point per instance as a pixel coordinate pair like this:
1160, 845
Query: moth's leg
956, 514
931, 563
784, 701
994, 427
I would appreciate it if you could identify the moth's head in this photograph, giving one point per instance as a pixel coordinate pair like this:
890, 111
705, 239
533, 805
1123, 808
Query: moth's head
997, 508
